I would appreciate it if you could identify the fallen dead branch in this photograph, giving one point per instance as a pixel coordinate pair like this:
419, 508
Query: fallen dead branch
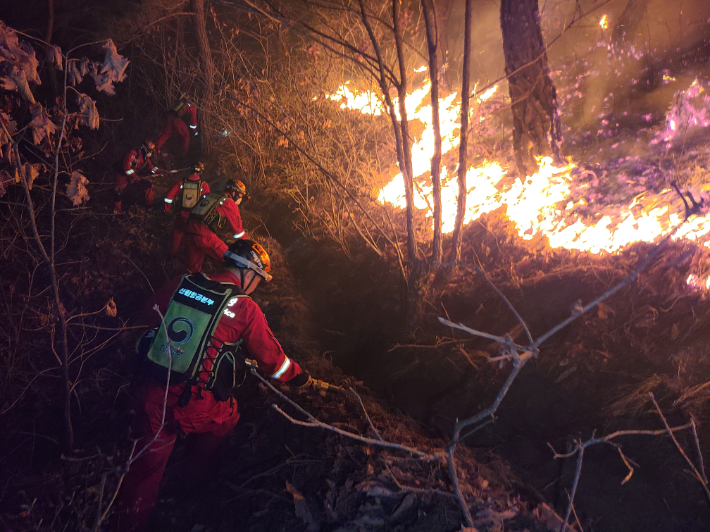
314, 423
580, 447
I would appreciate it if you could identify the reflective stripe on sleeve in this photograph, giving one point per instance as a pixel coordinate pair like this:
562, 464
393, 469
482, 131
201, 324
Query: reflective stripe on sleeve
193, 127
168, 200
283, 368
155, 169
130, 172
240, 235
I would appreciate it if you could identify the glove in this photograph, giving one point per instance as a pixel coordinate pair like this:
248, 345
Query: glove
302, 381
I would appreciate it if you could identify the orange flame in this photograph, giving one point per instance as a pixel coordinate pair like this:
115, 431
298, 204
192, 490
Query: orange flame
540, 204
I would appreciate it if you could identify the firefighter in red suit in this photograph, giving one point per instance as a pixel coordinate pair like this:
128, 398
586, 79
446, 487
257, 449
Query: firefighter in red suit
181, 119
135, 168
246, 265
200, 232
182, 197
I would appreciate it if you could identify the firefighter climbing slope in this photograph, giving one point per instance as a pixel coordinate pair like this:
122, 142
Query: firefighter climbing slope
132, 179
181, 119
206, 318
181, 198
213, 214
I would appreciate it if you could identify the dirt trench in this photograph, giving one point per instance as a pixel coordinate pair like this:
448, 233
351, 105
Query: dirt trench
566, 394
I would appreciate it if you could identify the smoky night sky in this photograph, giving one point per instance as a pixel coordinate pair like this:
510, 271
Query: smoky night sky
663, 30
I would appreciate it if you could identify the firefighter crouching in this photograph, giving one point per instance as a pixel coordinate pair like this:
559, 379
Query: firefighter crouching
210, 216
205, 319
182, 197
136, 166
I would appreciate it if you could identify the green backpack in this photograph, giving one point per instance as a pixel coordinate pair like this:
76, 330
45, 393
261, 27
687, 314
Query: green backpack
179, 347
178, 106
206, 210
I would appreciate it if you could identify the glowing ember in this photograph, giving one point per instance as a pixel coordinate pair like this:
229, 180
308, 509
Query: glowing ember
604, 23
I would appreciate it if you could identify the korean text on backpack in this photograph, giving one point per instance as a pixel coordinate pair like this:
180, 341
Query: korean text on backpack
185, 335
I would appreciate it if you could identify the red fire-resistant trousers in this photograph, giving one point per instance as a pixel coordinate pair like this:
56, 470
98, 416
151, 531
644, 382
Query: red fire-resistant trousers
204, 416
133, 186
179, 229
173, 124
201, 241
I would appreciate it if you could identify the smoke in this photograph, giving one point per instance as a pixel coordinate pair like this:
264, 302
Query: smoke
648, 51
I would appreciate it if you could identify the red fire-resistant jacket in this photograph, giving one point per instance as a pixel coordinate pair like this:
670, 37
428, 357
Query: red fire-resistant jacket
136, 160
188, 114
241, 319
177, 188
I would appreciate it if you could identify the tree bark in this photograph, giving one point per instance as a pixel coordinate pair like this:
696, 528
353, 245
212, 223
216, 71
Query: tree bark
407, 171
432, 38
536, 121
203, 46
49, 66
463, 144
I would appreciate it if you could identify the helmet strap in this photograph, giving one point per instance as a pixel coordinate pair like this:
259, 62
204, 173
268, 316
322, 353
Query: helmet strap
242, 273
253, 279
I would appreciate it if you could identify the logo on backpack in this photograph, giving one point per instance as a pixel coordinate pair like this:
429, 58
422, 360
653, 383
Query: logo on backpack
180, 330
183, 348
190, 194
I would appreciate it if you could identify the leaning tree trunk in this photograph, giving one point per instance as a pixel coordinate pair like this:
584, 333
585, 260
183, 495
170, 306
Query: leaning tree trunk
203, 45
536, 120
463, 141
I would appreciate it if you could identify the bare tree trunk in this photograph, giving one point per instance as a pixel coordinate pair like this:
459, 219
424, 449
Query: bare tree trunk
48, 33
432, 38
48, 258
415, 267
629, 20
49, 30
203, 45
407, 171
463, 145
536, 119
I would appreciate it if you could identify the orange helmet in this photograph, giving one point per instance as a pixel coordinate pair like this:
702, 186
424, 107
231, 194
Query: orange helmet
235, 187
246, 253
